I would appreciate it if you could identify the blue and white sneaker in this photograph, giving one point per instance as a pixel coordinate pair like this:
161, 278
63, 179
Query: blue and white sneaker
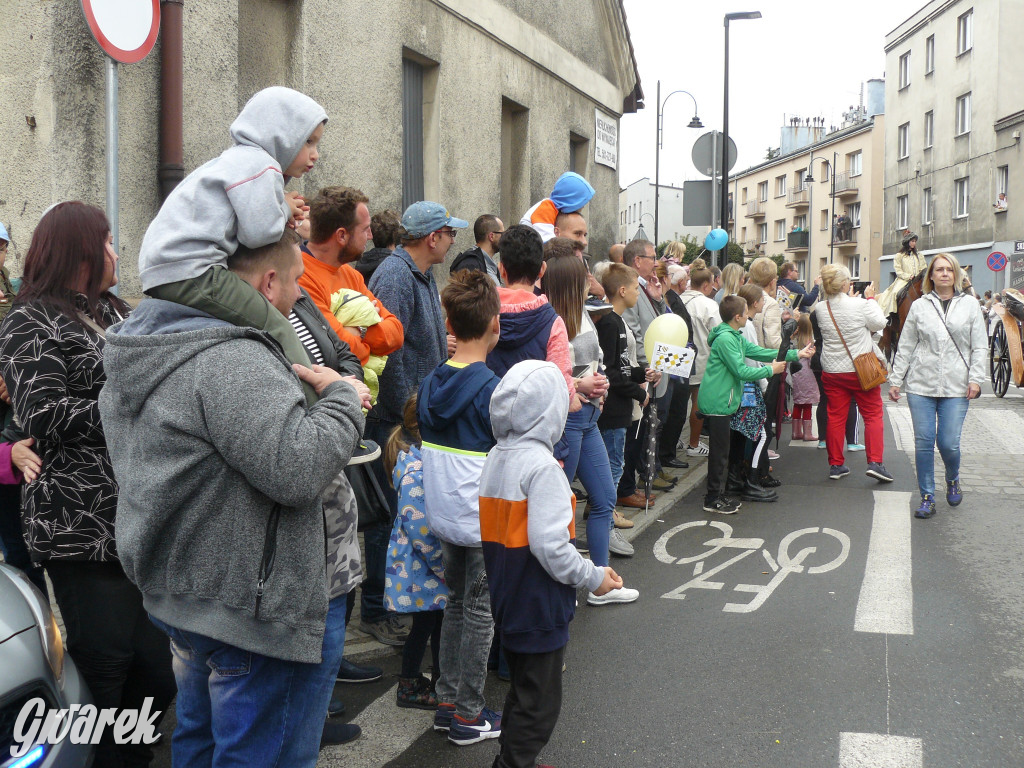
486, 726
953, 493
443, 717
927, 508
878, 471
837, 471
855, 447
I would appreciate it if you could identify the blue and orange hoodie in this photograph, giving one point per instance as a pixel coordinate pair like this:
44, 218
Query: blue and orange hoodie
527, 514
453, 412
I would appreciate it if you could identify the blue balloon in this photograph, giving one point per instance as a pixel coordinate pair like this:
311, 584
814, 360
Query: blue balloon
716, 239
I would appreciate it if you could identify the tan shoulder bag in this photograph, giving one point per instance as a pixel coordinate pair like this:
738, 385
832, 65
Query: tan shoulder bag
870, 371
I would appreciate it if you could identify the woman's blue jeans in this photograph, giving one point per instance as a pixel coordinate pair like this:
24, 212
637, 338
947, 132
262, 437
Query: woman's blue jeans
586, 457
936, 420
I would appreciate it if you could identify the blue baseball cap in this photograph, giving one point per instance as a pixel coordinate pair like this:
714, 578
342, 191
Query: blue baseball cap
424, 217
3, 233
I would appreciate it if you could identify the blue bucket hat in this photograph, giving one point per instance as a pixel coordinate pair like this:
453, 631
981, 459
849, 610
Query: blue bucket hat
424, 217
3, 233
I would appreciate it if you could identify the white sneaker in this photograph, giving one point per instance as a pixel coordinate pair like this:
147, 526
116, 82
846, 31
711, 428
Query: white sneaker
772, 455
700, 450
617, 545
620, 595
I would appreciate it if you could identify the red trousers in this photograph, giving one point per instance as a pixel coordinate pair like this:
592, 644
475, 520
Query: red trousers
840, 387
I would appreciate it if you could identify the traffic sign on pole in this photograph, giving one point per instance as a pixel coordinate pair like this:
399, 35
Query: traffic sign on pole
126, 30
996, 261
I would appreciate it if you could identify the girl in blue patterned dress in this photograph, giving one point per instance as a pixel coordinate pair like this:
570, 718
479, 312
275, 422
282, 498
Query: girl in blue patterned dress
414, 577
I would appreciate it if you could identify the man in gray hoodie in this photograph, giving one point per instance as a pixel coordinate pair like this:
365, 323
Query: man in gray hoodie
221, 469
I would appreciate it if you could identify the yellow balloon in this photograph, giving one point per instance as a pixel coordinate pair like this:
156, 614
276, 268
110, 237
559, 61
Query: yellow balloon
666, 329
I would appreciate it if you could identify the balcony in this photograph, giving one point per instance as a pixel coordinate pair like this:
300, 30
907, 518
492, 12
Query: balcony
797, 198
755, 209
844, 239
752, 247
846, 185
797, 241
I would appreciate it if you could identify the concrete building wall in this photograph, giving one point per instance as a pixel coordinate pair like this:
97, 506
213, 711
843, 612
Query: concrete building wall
485, 55
636, 208
976, 154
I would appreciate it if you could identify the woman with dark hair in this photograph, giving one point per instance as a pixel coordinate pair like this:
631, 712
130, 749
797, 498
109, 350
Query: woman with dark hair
907, 264
51, 358
581, 448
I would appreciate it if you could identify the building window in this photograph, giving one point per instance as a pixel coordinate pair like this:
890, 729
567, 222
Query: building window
762, 233
905, 70
412, 132
965, 32
961, 196
963, 114
853, 212
903, 141
780, 186
780, 229
579, 152
800, 223
800, 176
826, 171
515, 156
926, 206
743, 196
762, 191
929, 55
824, 219
929, 129
855, 160
743, 234
801, 271
853, 264
901, 212
1002, 180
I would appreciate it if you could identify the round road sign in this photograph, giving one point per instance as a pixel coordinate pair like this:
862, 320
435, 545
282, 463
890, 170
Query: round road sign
997, 261
125, 29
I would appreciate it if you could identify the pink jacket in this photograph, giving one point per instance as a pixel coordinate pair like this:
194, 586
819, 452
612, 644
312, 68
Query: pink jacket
9, 474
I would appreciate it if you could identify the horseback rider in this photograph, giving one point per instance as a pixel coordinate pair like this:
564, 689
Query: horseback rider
908, 264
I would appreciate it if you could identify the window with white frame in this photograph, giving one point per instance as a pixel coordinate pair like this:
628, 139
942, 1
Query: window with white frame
780, 185
961, 196
762, 233
929, 129
825, 219
902, 211
903, 141
1002, 180
905, 70
926, 206
780, 229
853, 264
743, 196
800, 176
965, 32
929, 55
963, 114
762, 192
800, 222
853, 212
801, 271
855, 161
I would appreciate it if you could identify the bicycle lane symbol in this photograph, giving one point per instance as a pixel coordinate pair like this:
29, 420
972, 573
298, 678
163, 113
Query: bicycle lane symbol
782, 565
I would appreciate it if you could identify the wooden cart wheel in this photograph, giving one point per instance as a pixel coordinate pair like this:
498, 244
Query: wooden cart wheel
999, 361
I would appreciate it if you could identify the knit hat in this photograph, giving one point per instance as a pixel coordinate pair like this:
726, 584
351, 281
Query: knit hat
908, 238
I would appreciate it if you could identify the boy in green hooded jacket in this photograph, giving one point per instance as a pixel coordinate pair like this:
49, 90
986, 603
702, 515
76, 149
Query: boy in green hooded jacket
722, 389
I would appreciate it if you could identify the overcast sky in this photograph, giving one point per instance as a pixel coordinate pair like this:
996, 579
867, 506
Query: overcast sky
805, 58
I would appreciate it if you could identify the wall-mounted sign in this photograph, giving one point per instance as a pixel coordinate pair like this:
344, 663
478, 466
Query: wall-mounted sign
606, 139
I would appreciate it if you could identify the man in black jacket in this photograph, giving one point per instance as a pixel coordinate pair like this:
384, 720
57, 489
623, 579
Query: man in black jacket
487, 230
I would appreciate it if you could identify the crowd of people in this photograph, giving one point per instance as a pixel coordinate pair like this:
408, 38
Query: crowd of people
198, 468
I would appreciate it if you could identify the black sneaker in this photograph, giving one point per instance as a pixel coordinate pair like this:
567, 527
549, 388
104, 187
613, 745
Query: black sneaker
878, 471
366, 450
339, 733
721, 506
355, 673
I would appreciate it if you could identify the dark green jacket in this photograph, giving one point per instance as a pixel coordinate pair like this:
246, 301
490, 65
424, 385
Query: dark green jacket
722, 386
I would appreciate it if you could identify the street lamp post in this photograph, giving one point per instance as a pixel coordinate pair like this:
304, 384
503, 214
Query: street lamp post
809, 178
694, 123
723, 256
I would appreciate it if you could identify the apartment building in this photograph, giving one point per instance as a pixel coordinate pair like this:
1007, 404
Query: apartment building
953, 167
818, 198
636, 212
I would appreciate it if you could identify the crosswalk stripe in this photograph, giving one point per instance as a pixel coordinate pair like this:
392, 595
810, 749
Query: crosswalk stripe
877, 750
886, 603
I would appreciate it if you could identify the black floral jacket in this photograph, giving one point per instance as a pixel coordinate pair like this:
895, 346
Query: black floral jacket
53, 368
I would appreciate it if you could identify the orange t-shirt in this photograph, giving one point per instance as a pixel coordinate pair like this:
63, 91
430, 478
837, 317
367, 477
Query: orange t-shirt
322, 281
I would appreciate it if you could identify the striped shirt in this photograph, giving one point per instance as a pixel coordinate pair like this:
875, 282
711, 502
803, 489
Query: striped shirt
306, 338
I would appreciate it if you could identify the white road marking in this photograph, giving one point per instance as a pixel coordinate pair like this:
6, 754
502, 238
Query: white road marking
877, 750
886, 603
985, 430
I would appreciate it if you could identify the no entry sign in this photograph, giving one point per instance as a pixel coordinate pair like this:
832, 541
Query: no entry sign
125, 29
997, 261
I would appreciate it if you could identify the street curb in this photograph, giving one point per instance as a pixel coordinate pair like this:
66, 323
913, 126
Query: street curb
688, 480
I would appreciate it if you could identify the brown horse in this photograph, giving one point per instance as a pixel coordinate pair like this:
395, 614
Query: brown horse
891, 335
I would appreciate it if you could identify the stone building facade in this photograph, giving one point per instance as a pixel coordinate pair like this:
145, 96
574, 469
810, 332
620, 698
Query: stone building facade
478, 104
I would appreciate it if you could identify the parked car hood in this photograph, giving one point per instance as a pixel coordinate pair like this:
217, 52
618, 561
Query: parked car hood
15, 615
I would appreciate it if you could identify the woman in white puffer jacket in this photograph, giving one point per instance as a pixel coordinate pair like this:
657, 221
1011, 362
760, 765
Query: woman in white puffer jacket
857, 319
941, 364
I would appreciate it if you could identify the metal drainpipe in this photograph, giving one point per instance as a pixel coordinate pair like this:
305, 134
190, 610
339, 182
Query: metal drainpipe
172, 144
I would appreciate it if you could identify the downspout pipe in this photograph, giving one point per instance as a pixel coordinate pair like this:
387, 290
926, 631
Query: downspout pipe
172, 144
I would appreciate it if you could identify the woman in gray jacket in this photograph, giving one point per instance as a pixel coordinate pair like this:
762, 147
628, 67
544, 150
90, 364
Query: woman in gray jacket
941, 363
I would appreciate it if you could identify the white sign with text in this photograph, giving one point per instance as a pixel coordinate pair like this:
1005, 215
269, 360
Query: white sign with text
606, 139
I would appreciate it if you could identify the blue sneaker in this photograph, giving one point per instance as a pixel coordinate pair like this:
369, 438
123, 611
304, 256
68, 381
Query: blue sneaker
821, 444
350, 672
486, 726
854, 447
837, 471
443, 717
953, 493
927, 508
878, 471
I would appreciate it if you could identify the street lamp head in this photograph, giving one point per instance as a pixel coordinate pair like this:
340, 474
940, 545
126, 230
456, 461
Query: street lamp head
809, 177
695, 123
744, 15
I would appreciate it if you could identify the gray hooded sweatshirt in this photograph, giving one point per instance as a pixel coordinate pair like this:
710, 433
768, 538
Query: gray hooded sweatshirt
221, 468
235, 198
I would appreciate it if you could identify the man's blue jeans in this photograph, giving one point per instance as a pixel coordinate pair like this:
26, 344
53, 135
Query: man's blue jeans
615, 445
587, 457
936, 419
241, 709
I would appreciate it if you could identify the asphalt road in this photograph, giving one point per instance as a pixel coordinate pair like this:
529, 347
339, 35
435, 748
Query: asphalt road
865, 638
